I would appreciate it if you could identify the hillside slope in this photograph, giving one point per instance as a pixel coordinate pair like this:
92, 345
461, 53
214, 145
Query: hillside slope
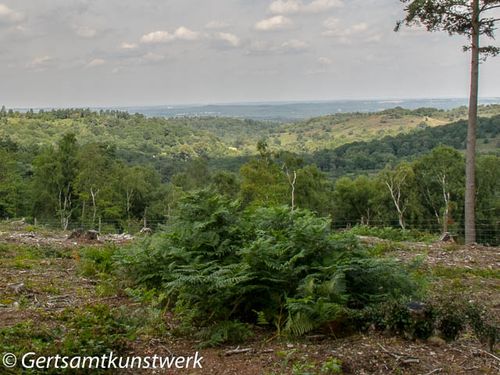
138, 137
374, 155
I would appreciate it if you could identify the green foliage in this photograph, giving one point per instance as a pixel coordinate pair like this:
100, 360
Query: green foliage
441, 185
263, 183
452, 318
461, 272
356, 200
217, 262
96, 260
94, 331
224, 332
392, 234
485, 330
373, 155
488, 199
397, 317
331, 366
303, 365
90, 331
119, 172
447, 316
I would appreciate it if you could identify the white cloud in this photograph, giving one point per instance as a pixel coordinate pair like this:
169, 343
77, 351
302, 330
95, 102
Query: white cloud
85, 32
230, 39
96, 62
10, 15
161, 36
39, 63
299, 6
129, 46
294, 45
285, 6
318, 6
216, 25
184, 33
344, 33
358, 28
154, 37
273, 23
261, 47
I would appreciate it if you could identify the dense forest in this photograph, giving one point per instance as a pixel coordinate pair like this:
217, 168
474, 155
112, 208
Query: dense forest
114, 171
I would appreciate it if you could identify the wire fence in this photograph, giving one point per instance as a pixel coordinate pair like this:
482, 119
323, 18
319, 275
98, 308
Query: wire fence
485, 229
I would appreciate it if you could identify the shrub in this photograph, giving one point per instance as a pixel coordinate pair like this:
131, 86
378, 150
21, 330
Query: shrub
217, 262
447, 316
487, 332
225, 332
406, 318
96, 260
452, 318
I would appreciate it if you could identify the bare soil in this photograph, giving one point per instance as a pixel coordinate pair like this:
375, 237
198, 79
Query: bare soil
53, 283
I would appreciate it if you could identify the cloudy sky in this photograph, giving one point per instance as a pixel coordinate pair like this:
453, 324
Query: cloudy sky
151, 52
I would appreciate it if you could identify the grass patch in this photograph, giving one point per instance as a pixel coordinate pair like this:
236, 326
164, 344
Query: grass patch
28, 252
459, 272
90, 331
393, 234
384, 248
96, 260
295, 364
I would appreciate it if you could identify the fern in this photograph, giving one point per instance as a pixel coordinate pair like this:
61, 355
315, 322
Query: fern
217, 262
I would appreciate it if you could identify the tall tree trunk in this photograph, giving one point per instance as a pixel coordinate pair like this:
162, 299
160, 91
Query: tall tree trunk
446, 198
396, 199
470, 164
83, 214
292, 181
94, 206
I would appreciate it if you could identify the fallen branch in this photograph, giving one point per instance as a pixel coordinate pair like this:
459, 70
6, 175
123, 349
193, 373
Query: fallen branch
491, 355
434, 371
238, 351
400, 356
410, 360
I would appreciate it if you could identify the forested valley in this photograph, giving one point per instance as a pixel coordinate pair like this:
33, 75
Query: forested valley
113, 171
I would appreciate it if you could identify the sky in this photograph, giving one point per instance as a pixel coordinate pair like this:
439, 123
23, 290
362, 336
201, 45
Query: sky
67, 53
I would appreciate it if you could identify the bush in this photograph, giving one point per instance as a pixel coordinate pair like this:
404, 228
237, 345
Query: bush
410, 319
447, 316
485, 331
452, 319
219, 263
225, 332
96, 260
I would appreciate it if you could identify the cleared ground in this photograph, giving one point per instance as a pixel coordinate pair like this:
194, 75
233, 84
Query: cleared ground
53, 298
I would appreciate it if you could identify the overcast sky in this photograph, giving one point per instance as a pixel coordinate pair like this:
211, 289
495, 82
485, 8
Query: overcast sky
151, 52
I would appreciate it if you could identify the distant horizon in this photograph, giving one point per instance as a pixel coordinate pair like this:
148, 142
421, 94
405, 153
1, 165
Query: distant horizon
388, 100
281, 110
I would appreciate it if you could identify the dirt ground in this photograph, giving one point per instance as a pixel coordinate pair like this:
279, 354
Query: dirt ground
45, 286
